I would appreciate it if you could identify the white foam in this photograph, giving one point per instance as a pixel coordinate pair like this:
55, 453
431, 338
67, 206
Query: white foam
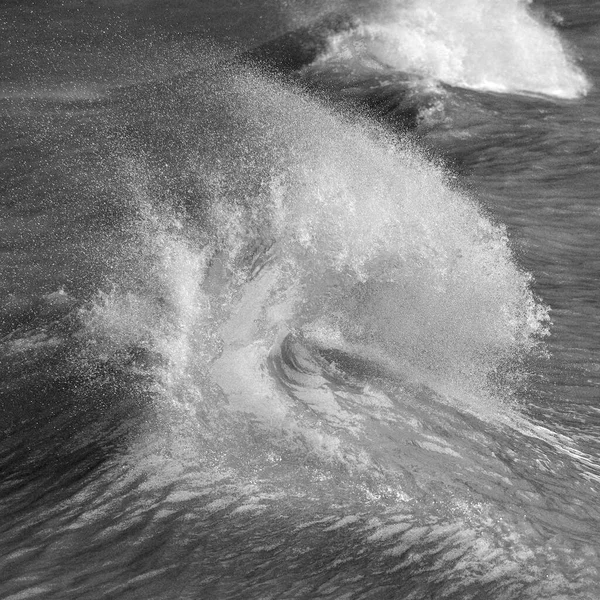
478, 44
320, 226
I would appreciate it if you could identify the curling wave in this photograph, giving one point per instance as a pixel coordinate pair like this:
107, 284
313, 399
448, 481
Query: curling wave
318, 226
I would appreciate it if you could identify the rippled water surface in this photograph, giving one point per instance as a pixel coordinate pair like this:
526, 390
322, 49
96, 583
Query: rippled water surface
300, 300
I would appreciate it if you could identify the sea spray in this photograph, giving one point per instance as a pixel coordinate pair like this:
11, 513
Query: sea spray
297, 220
478, 44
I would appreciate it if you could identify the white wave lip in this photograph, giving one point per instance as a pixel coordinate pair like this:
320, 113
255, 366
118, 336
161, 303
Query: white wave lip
477, 44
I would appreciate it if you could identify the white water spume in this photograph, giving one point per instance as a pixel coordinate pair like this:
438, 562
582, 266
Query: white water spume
317, 226
157, 305
477, 44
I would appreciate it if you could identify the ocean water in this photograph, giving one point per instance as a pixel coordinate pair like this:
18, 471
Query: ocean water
300, 300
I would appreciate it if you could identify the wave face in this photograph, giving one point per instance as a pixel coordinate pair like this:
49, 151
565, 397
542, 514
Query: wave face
476, 44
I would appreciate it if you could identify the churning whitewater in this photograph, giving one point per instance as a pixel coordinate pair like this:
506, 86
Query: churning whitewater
260, 340
475, 44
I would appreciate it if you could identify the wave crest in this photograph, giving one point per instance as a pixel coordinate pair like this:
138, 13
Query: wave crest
298, 220
477, 44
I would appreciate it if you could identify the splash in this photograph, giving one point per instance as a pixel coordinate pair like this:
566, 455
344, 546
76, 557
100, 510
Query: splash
301, 221
291, 270
476, 44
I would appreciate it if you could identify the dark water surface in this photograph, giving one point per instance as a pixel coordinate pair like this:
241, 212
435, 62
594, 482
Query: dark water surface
300, 300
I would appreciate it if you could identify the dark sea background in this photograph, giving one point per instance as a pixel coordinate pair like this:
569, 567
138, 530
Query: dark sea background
300, 299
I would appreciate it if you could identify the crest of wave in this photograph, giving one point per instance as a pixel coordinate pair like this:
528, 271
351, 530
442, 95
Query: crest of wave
477, 44
375, 250
313, 223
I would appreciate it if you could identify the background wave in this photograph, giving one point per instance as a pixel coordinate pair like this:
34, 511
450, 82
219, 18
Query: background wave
475, 44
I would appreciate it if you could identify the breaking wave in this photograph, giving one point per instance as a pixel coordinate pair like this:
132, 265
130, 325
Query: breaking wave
317, 227
478, 44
